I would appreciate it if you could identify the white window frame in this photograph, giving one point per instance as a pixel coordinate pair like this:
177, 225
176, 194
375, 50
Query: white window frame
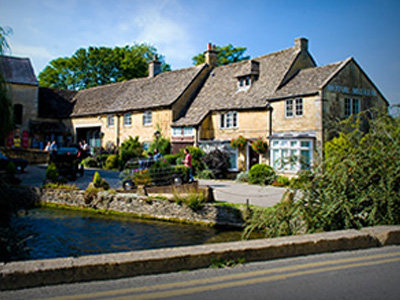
352, 106
294, 107
147, 118
287, 149
188, 131
128, 119
176, 131
229, 120
110, 120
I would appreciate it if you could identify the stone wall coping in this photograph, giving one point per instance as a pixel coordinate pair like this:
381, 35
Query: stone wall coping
17, 275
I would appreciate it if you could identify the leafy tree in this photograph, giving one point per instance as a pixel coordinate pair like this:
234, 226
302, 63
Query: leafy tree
5, 101
226, 55
98, 66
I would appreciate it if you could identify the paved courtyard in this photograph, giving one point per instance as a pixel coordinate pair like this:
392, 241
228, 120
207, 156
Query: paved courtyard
224, 190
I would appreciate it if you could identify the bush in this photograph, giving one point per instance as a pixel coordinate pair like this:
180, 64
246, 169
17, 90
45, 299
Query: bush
197, 155
358, 185
242, 177
162, 144
261, 174
100, 182
141, 178
131, 148
90, 162
192, 198
281, 181
52, 173
111, 162
218, 162
206, 174
172, 159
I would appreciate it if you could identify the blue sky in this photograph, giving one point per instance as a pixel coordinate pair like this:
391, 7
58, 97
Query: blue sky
367, 30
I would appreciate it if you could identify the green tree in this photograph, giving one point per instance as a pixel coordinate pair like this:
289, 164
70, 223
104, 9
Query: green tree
98, 66
226, 55
5, 101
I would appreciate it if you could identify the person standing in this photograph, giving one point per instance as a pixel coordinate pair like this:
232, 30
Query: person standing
48, 146
53, 150
188, 163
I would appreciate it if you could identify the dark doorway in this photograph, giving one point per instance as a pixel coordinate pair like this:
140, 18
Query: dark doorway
254, 157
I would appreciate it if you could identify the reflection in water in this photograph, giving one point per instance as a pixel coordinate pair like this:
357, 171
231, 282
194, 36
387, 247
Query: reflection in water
50, 233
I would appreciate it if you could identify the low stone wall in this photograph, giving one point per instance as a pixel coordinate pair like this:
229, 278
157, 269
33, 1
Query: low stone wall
146, 207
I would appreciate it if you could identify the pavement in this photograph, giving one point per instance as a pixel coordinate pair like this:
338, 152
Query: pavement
224, 190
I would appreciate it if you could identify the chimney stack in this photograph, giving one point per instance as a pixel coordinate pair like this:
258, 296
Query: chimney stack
301, 44
154, 67
211, 55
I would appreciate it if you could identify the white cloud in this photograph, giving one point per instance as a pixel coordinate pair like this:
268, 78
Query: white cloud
164, 27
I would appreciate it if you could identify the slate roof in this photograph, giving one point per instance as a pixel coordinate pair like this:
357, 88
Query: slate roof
137, 94
17, 70
220, 91
54, 103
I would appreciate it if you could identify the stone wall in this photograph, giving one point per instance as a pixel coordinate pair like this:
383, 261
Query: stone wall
33, 156
146, 207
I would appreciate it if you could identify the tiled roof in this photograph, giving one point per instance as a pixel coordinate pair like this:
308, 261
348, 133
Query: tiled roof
54, 103
307, 81
17, 70
138, 94
220, 91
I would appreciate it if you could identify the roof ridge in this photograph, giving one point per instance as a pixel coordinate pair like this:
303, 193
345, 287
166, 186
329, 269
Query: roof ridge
141, 78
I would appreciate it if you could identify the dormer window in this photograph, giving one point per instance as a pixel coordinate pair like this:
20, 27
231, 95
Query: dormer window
244, 82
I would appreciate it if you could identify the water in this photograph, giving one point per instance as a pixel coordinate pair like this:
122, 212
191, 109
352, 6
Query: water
49, 233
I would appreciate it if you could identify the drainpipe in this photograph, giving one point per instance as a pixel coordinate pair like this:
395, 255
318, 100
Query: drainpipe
117, 130
270, 109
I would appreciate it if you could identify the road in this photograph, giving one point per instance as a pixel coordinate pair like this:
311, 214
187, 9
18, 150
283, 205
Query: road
363, 274
224, 190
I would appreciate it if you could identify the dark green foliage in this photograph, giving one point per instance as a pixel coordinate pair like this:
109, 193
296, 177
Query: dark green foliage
197, 155
52, 173
90, 162
206, 174
98, 66
162, 144
172, 159
131, 149
226, 55
11, 169
218, 162
112, 162
281, 220
359, 183
261, 174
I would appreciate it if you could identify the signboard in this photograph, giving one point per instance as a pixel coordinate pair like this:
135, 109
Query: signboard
350, 90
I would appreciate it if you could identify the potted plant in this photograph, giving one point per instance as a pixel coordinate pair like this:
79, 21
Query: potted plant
260, 146
239, 143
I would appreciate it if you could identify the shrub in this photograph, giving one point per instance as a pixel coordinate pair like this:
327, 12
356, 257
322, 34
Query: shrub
197, 154
206, 174
130, 148
162, 144
172, 159
90, 162
242, 177
111, 162
261, 174
52, 173
191, 197
281, 181
100, 182
218, 162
